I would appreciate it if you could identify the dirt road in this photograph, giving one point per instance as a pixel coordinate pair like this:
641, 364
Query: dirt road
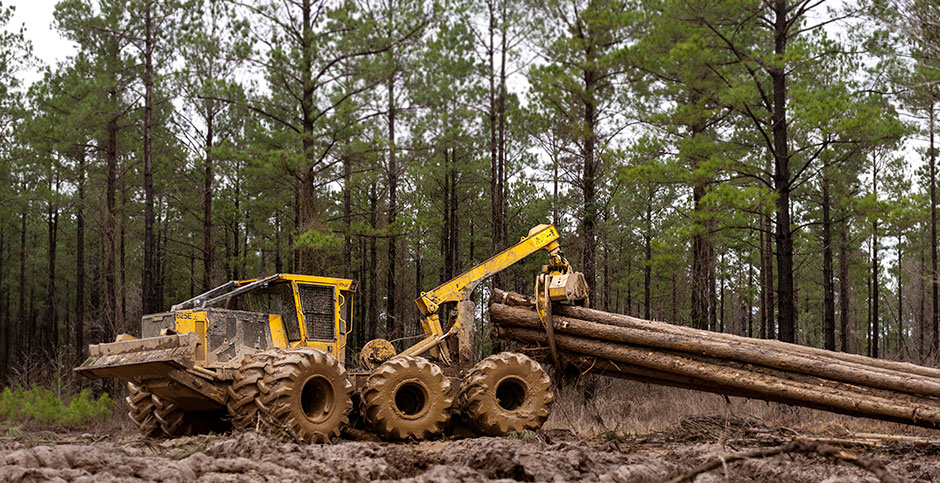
544, 457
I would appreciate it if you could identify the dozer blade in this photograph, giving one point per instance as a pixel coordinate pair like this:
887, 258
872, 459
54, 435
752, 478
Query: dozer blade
136, 359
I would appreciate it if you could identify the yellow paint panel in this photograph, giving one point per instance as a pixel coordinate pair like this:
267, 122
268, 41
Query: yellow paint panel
186, 321
328, 347
278, 337
193, 321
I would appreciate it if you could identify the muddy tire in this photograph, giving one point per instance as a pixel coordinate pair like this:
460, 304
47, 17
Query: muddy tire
306, 393
504, 393
173, 420
141, 410
407, 398
245, 389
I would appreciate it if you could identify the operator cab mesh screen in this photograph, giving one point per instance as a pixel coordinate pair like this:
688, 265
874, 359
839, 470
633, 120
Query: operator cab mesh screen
319, 311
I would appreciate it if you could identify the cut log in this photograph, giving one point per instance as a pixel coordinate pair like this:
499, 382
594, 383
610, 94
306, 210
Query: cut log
749, 353
607, 318
603, 367
741, 379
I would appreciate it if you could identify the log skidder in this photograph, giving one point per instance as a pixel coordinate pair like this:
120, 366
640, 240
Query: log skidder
266, 350
307, 393
407, 398
505, 393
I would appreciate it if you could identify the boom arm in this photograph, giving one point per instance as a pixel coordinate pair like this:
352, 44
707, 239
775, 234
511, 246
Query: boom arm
542, 237
458, 289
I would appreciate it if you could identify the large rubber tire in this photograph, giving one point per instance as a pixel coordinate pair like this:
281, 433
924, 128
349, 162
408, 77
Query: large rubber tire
306, 392
141, 410
173, 420
504, 393
245, 389
407, 398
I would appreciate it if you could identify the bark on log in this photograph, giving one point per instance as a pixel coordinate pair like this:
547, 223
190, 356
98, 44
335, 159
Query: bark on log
591, 315
604, 367
735, 378
748, 353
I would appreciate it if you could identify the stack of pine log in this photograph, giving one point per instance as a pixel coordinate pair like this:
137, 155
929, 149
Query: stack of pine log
661, 353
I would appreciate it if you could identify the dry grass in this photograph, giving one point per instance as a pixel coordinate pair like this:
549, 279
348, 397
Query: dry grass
632, 408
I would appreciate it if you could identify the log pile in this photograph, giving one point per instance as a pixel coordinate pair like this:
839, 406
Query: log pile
661, 353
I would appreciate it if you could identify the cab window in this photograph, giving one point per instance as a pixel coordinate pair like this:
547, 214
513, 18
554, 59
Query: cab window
278, 299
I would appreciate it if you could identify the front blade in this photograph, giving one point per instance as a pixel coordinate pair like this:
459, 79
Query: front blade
138, 358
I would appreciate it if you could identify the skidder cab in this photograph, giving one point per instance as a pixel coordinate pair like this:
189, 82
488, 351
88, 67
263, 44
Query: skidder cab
189, 355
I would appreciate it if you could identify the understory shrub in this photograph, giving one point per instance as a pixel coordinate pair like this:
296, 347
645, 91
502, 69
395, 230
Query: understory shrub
42, 405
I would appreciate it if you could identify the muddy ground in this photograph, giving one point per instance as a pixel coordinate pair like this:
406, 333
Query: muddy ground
546, 456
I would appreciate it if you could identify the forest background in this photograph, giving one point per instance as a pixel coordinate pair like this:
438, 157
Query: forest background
758, 167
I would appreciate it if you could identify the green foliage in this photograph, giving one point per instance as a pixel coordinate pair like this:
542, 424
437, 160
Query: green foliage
42, 405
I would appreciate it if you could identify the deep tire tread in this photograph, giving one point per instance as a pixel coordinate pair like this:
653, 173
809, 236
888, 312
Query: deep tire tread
477, 398
377, 399
277, 401
246, 387
142, 411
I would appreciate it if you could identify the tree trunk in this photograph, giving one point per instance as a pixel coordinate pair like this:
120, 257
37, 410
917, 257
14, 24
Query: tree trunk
278, 233
347, 215
293, 265
497, 132
868, 325
934, 283
362, 328
829, 306
4, 308
446, 267
648, 265
122, 259
148, 279
900, 299
237, 232
80, 260
721, 302
21, 289
7, 331
701, 241
750, 301
587, 181
762, 333
875, 330
51, 337
392, 327
768, 253
786, 313
208, 249
501, 144
110, 228
712, 288
844, 287
923, 332
605, 243
372, 314
308, 209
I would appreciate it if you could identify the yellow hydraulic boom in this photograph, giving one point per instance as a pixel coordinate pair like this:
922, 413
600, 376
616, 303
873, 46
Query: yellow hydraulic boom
557, 278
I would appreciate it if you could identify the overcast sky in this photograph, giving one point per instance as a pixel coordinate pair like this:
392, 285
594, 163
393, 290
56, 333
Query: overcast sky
48, 46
